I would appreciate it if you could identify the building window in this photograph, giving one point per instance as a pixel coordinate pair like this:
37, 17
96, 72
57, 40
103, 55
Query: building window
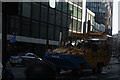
44, 3
12, 26
26, 9
25, 30
69, 22
19, 8
43, 30
70, 9
17, 25
51, 16
79, 13
58, 5
58, 18
35, 29
75, 11
36, 11
44, 13
57, 33
79, 26
80, 3
51, 32
65, 7
71, 26
64, 33
74, 25
64, 20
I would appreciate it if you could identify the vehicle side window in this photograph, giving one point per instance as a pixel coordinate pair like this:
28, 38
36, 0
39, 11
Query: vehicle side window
31, 55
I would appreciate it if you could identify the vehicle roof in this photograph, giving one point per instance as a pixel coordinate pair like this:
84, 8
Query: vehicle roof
30, 53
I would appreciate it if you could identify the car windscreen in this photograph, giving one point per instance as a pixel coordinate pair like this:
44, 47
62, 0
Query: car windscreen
21, 54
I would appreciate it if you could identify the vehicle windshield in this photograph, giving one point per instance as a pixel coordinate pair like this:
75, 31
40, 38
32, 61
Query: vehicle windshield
21, 54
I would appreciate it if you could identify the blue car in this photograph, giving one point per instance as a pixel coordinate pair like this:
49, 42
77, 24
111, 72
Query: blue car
22, 58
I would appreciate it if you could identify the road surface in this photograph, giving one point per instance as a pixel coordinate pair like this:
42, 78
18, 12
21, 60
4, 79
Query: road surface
110, 73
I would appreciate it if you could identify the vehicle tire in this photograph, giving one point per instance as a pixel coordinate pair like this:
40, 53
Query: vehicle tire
13, 65
98, 69
94, 70
58, 70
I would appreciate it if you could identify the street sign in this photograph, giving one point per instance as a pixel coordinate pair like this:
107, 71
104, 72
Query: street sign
13, 39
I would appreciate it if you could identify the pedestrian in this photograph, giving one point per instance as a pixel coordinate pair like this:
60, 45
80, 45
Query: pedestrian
40, 70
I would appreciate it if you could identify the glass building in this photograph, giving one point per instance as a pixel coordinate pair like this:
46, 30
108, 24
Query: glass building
103, 14
37, 26
99, 9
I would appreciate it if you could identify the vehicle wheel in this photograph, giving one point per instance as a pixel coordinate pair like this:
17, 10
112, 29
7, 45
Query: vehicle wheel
58, 70
94, 70
13, 65
98, 69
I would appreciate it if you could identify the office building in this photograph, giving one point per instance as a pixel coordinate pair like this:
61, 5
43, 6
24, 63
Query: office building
37, 26
103, 14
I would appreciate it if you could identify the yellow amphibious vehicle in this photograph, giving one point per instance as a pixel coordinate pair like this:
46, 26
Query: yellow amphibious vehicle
90, 50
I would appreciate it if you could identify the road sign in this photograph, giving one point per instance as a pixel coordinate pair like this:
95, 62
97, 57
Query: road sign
13, 39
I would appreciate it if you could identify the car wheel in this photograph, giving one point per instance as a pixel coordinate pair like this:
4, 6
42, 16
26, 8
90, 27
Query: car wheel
58, 70
98, 69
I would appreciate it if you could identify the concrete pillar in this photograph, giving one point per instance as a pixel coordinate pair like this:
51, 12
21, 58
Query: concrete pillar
83, 14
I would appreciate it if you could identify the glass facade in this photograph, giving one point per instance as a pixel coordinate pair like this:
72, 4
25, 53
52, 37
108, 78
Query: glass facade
99, 9
40, 21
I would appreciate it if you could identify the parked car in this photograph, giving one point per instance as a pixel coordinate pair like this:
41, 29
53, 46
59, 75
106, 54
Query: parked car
22, 58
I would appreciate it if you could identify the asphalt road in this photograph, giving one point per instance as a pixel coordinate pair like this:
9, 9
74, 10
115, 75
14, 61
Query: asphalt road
107, 74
